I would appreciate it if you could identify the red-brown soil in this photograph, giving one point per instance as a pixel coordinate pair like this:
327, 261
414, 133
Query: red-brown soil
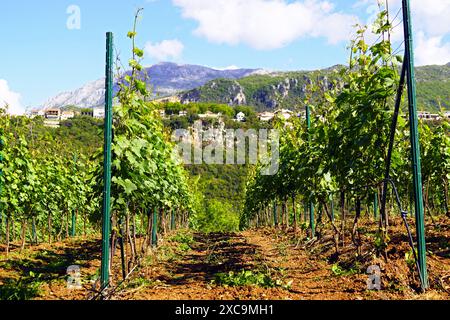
175, 271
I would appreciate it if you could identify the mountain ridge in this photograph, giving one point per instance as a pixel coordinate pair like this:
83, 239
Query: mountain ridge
265, 90
166, 78
287, 89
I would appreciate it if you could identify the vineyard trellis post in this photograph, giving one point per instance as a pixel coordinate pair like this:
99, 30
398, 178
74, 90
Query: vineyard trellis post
332, 206
74, 216
311, 204
275, 217
172, 219
106, 209
2, 146
415, 147
375, 205
155, 227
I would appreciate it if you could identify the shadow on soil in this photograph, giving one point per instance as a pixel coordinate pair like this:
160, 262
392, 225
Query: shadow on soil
45, 266
211, 254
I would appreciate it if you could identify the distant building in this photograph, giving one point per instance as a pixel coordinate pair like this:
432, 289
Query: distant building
65, 115
266, 116
428, 116
183, 113
210, 115
98, 113
284, 113
54, 114
87, 112
240, 117
37, 113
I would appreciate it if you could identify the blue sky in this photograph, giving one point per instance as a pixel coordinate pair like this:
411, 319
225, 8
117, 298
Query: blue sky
41, 56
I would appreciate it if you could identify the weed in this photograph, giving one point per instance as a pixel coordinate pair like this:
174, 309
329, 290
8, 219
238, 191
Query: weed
139, 282
167, 254
282, 249
25, 288
183, 247
409, 258
381, 241
248, 278
183, 237
340, 271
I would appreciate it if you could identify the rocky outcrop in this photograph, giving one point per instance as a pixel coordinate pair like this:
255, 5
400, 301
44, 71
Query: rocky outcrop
272, 95
190, 96
237, 95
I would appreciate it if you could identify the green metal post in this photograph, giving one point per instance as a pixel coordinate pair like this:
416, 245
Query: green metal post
33, 230
172, 219
411, 206
275, 216
332, 207
74, 216
2, 145
415, 146
74, 223
306, 210
311, 204
312, 224
106, 218
155, 228
375, 205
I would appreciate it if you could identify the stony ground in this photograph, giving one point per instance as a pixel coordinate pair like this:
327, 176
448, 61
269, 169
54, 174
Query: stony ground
197, 266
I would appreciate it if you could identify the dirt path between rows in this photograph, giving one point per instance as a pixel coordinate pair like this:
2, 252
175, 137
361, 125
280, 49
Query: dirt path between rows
180, 270
191, 276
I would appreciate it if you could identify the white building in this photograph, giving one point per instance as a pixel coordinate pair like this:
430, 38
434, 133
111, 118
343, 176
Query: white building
284, 113
240, 117
210, 115
266, 116
36, 113
99, 113
428, 116
53, 114
65, 115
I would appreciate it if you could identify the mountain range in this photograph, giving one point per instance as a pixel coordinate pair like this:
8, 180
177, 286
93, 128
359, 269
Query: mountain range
256, 87
165, 79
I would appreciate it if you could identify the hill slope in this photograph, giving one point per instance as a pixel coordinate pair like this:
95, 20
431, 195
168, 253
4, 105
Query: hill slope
261, 89
269, 91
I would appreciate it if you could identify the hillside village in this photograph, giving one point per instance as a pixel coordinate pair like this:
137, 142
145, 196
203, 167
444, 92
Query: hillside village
54, 116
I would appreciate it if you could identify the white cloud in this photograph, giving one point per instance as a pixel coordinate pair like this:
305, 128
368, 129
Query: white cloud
430, 23
431, 50
232, 67
165, 50
266, 24
10, 98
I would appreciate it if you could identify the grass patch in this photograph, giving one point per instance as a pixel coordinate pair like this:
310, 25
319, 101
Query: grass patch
183, 237
248, 278
140, 282
26, 288
337, 270
166, 254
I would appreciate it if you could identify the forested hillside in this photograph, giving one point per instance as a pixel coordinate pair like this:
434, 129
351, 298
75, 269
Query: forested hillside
270, 91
